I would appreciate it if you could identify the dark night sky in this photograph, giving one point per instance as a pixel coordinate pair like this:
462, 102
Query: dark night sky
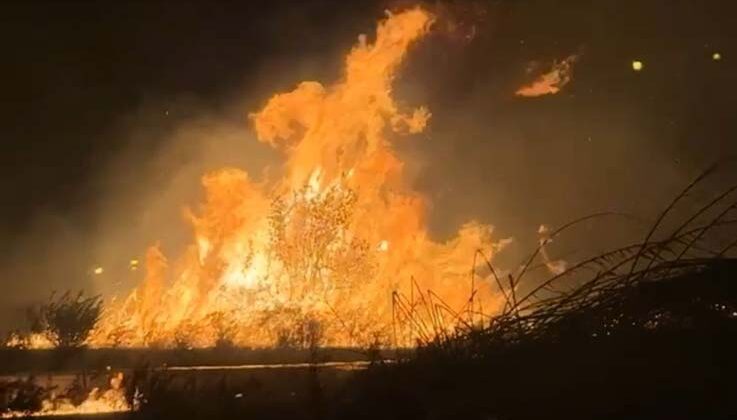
93, 87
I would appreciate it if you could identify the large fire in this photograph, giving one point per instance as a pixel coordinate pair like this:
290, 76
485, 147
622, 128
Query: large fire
335, 250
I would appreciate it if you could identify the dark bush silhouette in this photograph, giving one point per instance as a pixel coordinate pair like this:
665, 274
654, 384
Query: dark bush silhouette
646, 331
67, 320
21, 395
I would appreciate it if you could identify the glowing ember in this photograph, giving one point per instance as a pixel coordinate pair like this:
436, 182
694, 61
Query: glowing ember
551, 82
321, 255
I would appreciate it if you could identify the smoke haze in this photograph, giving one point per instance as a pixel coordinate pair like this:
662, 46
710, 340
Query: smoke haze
108, 147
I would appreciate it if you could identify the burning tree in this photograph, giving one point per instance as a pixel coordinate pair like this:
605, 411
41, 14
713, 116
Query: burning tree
322, 261
68, 320
312, 240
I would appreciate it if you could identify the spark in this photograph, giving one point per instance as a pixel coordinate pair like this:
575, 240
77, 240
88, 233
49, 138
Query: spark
98, 270
383, 246
637, 65
716, 56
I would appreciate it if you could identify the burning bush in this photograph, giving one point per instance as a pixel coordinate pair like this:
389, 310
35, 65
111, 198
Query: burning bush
67, 320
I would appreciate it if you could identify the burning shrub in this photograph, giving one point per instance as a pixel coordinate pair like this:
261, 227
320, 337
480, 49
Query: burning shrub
67, 320
224, 327
184, 336
297, 331
119, 335
311, 239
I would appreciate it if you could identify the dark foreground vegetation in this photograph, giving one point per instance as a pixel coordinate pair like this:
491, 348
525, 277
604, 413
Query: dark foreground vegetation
651, 350
661, 348
646, 331
39, 362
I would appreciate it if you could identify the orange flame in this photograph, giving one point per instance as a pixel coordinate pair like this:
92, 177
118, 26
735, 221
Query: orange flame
111, 400
321, 254
551, 82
